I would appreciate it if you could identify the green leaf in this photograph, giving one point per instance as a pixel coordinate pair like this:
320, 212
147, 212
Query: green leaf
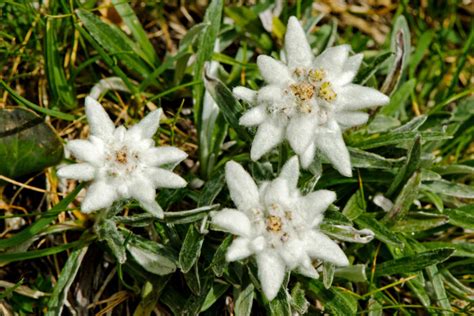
347, 233
367, 72
368, 160
217, 290
191, 249
450, 189
401, 47
46, 218
207, 39
244, 301
18, 98
298, 299
280, 305
399, 139
413, 263
228, 104
113, 41
131, 20
33, 254
107, 231
418, 222
382, 123
381, 231
462, 249
62, 92
191, 36
454, 169
462, 217
328, 274
152, 256
219, 263
404, 200
437, 282
212, 188
413, 125
353, 273
355, 206
399, 98
411, 165
67, 276
27, 143
336, 302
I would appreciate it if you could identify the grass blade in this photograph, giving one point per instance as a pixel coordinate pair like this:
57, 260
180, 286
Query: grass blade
68, 274
40, 224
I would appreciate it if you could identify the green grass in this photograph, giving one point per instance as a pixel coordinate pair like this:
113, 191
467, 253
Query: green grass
417, 151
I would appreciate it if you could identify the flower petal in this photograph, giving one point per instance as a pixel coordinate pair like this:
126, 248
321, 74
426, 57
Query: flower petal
356, 97
119, 133
277, 192
332, 60
322, 247
162, 178
99, 195
99, 121
352, 118
271, 272
308, 156
158, 156
152, 207
291, 172
78, 171
254, 116
293, 253
233, 221
85, 150
269, 94
300, 132
315, 203
148, 126
242, 188
142, 189
269, 134
349, 70
332, 145
298, 51
273, 71
307, 269
245, 94
239, 249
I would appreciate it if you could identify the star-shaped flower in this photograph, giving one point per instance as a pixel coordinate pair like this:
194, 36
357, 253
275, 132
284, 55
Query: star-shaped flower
308, 101
122, 163
277, 225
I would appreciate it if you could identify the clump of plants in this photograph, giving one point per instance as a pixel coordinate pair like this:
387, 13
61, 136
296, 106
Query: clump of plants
263, 162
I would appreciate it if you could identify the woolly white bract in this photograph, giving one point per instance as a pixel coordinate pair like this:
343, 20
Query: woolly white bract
122, 163
277, 224
308, 101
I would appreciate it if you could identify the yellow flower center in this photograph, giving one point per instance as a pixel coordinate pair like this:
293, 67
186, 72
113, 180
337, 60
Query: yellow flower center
316, 75
274, 223
326, 92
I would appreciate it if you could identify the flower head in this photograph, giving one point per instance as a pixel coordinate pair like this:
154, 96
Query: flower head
277, 225
308, 101
122, 163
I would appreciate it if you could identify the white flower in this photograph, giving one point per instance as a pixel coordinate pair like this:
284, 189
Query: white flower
308, 101
277, 225
122, 163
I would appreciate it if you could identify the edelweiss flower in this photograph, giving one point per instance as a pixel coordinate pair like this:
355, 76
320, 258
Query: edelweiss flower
277, 224
122, 163
308, 100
